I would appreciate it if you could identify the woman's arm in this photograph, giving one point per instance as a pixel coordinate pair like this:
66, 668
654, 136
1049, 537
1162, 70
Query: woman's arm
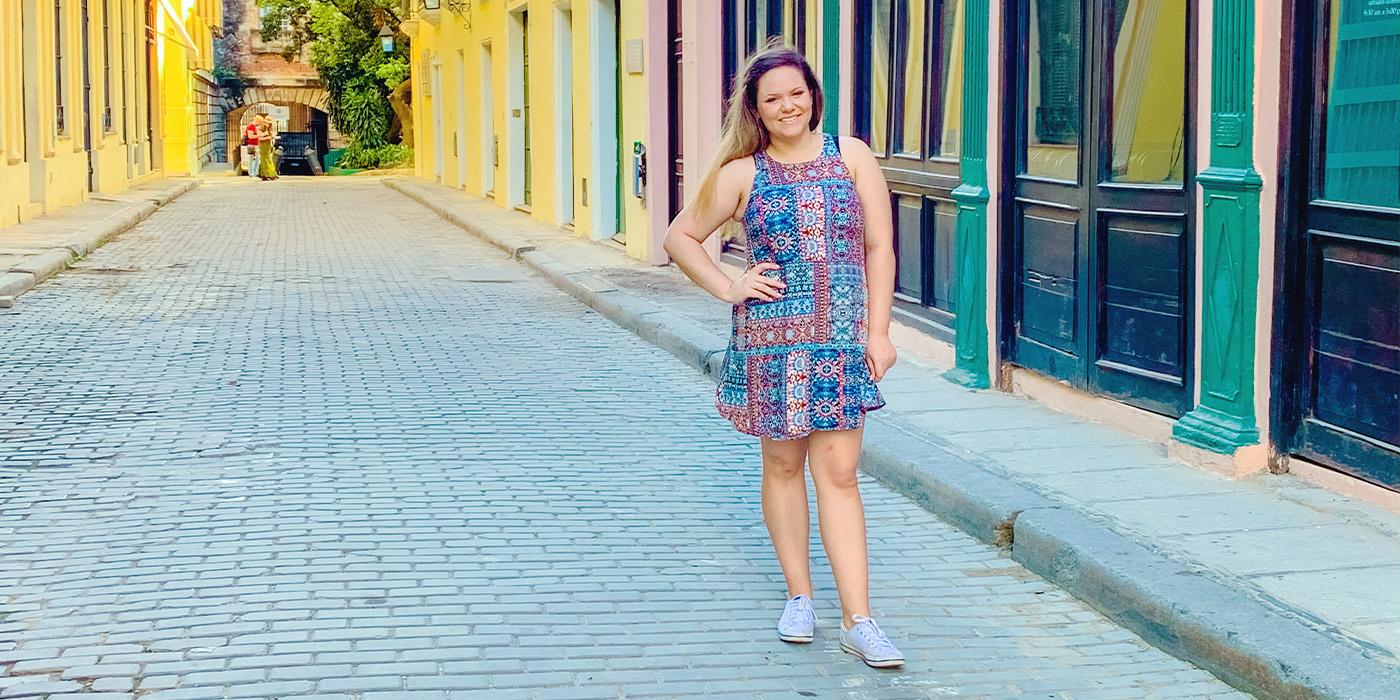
879, 251
698, 221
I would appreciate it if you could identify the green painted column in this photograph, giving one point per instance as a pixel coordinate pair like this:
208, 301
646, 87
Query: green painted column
970, 247
1224, 419
831, 65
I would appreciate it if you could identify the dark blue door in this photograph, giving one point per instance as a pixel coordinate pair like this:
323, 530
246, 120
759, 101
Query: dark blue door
1101, 181
1344, 382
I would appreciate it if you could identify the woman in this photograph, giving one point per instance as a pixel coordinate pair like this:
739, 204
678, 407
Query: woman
267, 163
811, 322
250, 139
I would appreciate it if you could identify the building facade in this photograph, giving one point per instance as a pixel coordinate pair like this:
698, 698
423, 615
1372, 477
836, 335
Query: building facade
1190, 208
96, 95
532, 103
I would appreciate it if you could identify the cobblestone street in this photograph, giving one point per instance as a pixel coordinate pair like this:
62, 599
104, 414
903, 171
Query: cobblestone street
305, 438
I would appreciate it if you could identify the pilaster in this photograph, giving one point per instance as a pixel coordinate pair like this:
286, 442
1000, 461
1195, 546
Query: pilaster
972, 195
1224, 420
831, 65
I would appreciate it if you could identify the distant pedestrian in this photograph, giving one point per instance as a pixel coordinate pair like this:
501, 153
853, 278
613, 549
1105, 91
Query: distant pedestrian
811, 322
250, 146
267, 136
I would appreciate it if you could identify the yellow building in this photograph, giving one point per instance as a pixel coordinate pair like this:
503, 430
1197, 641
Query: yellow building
518, 101
90, 91
189, 96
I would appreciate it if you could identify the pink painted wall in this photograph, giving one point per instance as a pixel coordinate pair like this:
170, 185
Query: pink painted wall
657, 47
1268, 76
996, 111
704, 96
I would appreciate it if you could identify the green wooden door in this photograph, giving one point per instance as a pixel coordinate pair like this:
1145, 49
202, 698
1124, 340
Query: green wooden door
525, 92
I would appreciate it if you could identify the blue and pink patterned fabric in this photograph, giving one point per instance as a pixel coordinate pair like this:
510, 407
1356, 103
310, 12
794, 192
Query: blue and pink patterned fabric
798, 364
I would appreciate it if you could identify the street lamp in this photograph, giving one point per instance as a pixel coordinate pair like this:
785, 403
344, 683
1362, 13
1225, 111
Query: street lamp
386, 39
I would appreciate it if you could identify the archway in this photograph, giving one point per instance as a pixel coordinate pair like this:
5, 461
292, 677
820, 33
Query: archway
303, 123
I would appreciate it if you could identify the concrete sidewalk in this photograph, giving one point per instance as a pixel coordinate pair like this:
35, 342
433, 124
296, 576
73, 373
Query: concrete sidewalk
1278, 587
33, 251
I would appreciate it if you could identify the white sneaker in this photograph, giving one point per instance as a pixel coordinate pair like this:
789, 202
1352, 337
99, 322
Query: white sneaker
799, 621
866, 640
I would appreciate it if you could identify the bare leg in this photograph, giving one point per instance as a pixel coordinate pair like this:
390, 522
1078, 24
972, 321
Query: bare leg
785, 510
833, 457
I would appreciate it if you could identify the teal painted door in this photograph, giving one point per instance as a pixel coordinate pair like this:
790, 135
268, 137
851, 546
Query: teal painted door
1347, 238
1099, 251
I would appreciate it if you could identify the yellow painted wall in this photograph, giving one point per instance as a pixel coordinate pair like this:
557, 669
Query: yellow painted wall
436, 43
14, 171
184, 47
43, 169
635, 97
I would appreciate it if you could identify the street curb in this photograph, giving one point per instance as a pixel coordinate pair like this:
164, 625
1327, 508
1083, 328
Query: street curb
974, 500
1259, 648
32, 270
1191, 615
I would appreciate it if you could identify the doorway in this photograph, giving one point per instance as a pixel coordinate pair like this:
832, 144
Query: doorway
88, 146
676, 108
489, 140
1336, 383
459, 137
604, 173
438, 132
520, 151
1098, 215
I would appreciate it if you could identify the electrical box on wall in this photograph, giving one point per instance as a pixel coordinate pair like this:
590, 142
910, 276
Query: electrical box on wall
632, 56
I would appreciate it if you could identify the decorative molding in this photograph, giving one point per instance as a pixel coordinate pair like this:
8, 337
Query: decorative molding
970, 248
1224, 420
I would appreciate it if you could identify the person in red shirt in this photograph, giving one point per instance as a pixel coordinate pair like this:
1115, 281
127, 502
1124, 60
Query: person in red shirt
250, 139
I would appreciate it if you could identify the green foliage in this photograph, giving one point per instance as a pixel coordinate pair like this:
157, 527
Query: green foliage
392, 72
341, 41
390, 155
362, 112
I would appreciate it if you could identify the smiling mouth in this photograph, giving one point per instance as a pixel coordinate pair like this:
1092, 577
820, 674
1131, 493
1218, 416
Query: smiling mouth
789, 120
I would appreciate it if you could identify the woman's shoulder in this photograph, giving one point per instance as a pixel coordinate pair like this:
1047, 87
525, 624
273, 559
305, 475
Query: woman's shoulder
739, 171
742, 164
853, 146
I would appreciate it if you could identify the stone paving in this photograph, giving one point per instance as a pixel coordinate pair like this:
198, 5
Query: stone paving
305, 439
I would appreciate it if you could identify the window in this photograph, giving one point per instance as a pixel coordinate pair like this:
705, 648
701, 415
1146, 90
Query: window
749, 24
1360, 151
910, 73
58, 63
1148, 116
107, 65
1052, 107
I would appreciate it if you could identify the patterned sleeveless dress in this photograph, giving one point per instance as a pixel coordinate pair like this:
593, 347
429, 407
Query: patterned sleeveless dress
798, 364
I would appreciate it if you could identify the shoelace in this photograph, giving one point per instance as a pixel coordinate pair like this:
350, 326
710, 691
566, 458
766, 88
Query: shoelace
874, 637
796, 607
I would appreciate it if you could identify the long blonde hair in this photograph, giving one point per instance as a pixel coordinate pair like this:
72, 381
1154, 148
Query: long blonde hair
743, 133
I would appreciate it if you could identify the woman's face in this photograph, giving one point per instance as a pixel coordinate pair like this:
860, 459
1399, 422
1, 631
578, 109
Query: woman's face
784, 102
